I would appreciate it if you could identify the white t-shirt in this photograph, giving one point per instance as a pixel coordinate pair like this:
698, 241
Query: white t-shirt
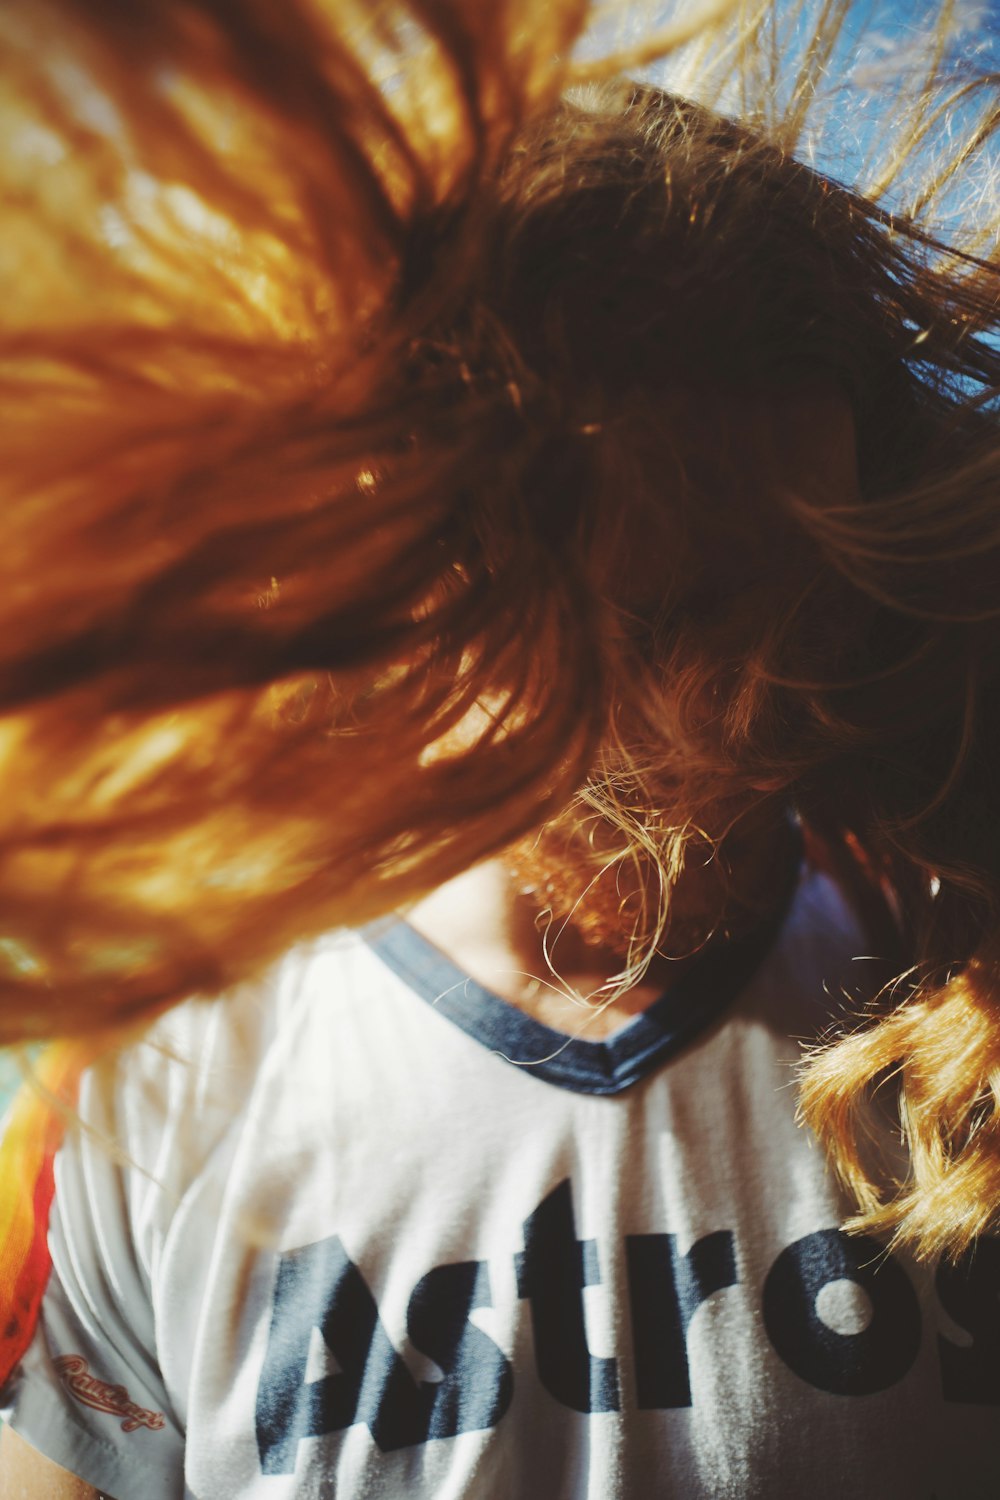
373, 1233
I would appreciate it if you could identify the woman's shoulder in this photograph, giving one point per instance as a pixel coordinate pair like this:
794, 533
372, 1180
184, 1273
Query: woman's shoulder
164, 1104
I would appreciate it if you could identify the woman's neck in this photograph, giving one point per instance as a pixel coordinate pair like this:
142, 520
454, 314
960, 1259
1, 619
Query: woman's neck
492, 930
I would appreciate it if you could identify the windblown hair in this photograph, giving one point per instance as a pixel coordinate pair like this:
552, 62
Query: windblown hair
341, 351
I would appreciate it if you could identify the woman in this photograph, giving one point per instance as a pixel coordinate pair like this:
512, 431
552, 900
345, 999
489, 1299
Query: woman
639, 448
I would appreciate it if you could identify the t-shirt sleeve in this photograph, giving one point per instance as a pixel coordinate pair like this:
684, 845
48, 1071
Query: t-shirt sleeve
89, 1394
103, 1389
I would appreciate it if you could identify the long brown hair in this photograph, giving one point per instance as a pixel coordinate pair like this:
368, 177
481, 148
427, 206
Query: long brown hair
334, 343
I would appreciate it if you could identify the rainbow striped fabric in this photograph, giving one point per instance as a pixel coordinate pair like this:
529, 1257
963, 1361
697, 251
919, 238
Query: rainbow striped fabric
32, 1132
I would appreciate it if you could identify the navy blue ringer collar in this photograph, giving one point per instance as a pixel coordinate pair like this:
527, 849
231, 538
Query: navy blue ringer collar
688, 1008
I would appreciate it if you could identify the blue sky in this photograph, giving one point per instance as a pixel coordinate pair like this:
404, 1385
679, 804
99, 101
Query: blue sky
869, 86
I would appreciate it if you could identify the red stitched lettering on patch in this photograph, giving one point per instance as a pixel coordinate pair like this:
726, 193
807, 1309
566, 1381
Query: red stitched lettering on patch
76, 1377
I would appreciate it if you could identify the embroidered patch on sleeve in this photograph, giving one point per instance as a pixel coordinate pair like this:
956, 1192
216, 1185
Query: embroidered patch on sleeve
86, 1388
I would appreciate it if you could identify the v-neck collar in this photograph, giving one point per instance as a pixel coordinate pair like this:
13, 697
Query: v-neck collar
687, 1009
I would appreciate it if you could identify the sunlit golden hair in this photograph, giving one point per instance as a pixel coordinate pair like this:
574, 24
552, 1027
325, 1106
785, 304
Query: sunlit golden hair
344, 345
